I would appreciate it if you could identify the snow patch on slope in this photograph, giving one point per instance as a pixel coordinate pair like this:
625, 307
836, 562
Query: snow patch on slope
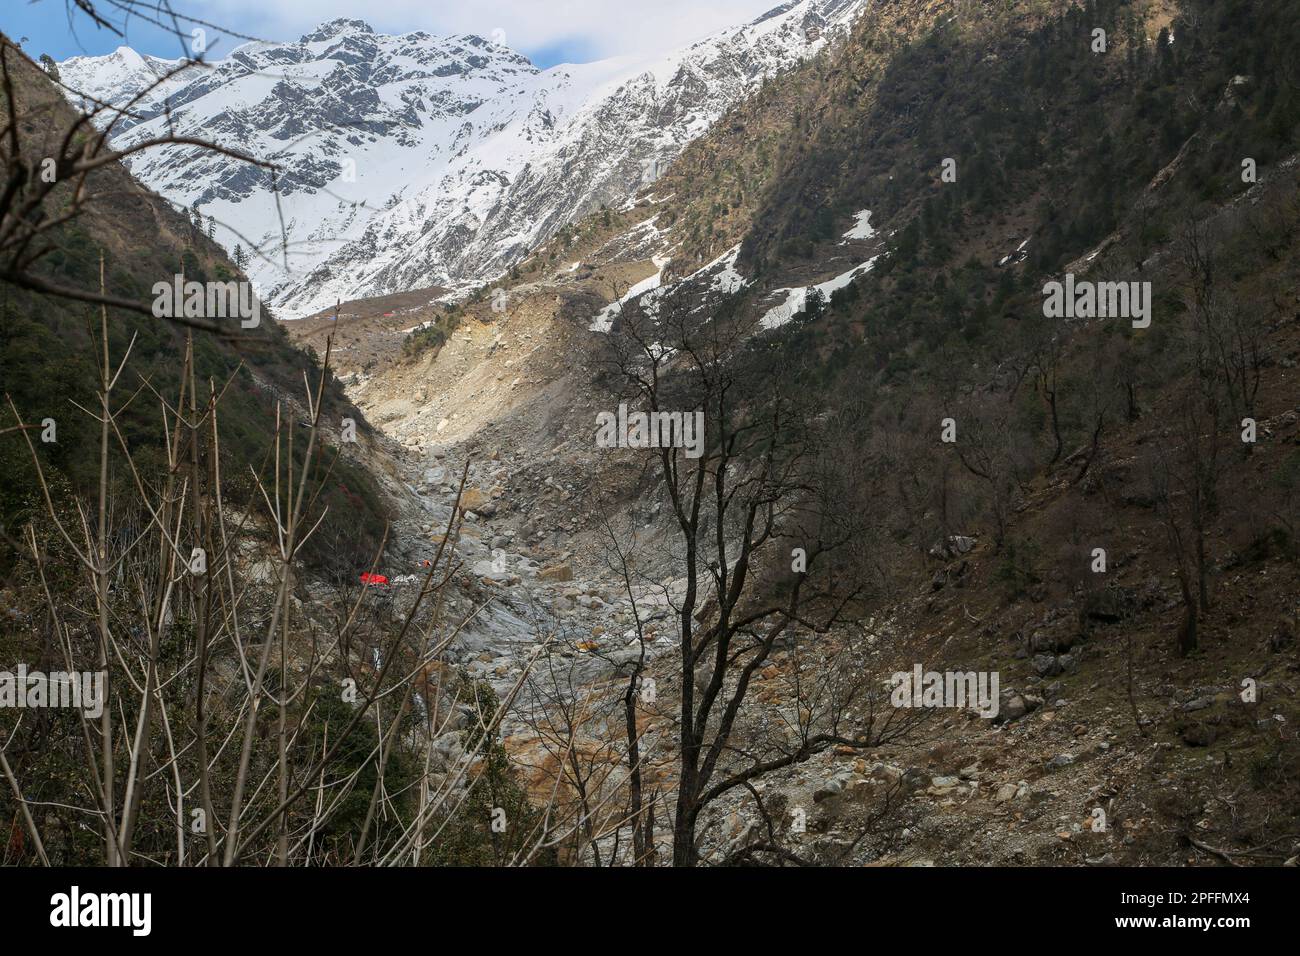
728, 280
604, 320
861, 226
796, 300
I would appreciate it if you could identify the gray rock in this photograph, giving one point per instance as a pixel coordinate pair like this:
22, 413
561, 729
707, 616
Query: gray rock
1013, 708
885, 771
1046, 665
914, 777
962, 544
1041, 642
833, 787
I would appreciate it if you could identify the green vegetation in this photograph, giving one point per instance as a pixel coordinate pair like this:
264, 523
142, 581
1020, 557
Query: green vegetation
497, 825
49, 369
434, 335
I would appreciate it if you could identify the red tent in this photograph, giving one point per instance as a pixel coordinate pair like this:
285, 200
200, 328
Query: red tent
373, 579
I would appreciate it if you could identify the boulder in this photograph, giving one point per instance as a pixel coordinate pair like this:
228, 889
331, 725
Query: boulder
1046, 665
961, 544
556, 572
472, 499
833, 787
1013, 708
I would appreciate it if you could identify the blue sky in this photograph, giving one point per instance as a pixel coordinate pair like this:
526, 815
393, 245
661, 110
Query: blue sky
547, 31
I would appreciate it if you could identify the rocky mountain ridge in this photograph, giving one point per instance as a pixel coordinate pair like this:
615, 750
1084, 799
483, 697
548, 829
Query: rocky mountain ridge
411, 161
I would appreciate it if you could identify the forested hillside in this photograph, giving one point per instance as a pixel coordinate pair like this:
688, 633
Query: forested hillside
49, 363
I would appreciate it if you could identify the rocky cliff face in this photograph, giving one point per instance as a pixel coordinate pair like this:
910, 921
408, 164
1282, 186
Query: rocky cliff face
410, 161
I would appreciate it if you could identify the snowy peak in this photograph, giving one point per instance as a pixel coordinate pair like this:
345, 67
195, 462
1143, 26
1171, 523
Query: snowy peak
416, 160
340, 52
333, 28
115, 77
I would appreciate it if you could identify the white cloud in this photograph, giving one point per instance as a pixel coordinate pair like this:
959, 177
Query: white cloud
607, 27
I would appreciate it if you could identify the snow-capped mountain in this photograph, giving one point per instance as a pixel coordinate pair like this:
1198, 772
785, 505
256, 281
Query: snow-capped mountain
415, 160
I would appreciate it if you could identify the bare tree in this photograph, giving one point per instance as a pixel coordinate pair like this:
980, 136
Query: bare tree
762, 538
